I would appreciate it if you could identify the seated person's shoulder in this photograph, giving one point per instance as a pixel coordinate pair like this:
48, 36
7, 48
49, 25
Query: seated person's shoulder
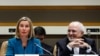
89, 39
13, 41
35, 39
46, 45
62, 40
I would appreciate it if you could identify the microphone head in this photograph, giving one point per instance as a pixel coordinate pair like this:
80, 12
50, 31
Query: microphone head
88, 32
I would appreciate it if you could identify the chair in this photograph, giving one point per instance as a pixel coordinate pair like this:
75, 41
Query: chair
55, 50
3, 48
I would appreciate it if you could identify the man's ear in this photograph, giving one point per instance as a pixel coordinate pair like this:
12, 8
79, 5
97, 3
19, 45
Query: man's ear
82, 32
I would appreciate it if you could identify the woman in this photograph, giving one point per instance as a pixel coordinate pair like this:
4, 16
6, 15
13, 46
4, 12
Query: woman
23, 42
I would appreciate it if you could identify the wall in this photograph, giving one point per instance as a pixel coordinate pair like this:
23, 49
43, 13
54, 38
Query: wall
64, 16
48, 2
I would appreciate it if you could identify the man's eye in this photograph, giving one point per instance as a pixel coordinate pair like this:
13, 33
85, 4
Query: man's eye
73, 31
69, 30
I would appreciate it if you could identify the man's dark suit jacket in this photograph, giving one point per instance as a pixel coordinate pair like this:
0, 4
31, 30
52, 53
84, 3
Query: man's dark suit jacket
64, 51
47, 47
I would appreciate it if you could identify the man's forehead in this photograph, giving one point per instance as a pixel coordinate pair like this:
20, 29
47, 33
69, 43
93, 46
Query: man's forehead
74, 27
74, 24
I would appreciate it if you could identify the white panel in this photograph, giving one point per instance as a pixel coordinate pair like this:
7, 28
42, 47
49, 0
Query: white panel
48, 2
86, 55
26, 54
56, 29
4, 30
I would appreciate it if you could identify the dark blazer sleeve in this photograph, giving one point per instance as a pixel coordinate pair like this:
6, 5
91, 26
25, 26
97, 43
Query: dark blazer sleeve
62, 49
94, 46
92, 43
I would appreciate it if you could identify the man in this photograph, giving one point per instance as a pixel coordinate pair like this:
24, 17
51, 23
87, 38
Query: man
40, 33
75, 42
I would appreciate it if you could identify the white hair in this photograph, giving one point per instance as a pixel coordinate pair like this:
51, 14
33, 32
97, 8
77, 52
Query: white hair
81, 26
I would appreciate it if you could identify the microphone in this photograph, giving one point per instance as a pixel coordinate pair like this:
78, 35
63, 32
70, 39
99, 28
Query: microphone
43, 49
88, 33
93, 52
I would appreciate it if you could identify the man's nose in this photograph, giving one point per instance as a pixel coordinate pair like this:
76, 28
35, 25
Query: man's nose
70, 32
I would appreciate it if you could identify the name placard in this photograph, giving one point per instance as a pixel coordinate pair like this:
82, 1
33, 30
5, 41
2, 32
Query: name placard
26, 54
85, 55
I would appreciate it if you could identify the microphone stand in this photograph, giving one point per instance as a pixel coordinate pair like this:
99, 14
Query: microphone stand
43, 49
89, 34
58, 52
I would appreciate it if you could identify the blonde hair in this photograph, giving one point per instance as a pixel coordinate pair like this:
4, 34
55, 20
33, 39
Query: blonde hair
31, 34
